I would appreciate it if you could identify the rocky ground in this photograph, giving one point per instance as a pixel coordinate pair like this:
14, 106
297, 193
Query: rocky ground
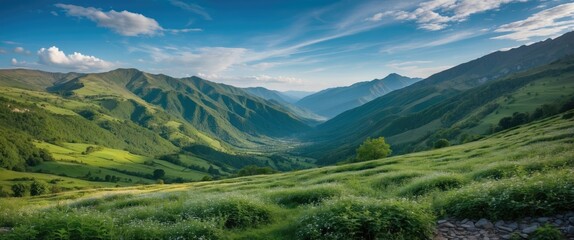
487, 230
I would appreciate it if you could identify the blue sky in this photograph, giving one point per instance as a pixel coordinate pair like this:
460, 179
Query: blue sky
283, 45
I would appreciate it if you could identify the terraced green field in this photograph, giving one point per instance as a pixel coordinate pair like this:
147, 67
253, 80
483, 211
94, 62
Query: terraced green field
531, 167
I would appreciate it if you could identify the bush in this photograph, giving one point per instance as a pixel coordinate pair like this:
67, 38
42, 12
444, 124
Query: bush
441, 143
441, 182
73, 225
19, 189
511, 198
547, 232
395, 178
188, 229
362, 218
302, 196
255, 170
38, 188
373, 149
232, 212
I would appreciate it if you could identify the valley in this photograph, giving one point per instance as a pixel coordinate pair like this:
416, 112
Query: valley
311, 120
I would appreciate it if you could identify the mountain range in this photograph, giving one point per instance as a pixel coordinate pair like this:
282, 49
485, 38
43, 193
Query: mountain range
333, 101
445, 101
191, 121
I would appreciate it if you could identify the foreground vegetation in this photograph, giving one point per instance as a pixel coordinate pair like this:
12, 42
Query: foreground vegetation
524, 171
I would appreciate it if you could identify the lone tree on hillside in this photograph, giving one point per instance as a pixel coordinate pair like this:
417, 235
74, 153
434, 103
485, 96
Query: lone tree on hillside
373, 149
158, 173
441, 143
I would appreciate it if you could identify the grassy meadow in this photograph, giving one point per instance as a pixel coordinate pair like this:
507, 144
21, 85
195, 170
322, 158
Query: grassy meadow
521, 172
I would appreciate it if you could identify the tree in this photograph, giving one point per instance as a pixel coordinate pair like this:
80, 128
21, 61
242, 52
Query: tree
19, 189
373, 149
441, 143
38, 188
158, 173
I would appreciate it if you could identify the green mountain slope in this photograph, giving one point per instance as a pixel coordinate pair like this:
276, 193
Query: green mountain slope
225, 112
409, 115
33, 79
277, 97
333, 101
270, 94
400, 197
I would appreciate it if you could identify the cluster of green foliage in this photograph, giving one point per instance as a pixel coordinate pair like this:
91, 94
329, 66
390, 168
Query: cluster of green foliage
511, 198
437, 182
302, 196
547, 232
357, 218
546, 110
34, 189
255, 170
373, 149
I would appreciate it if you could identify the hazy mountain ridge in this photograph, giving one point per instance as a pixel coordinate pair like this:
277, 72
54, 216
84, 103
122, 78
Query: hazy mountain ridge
337, 137
333, 101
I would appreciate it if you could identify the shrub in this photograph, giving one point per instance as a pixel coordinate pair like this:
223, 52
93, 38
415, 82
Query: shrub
19, 189
395, 178
547, 232
362, 218
511, 198
38, 188
232, 212
302, 196
440, 182
373, 149
72, 225
188, 229
441, 143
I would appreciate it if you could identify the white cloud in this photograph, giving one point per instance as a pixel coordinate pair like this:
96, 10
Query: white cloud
210, 60
2, 51
451, 38
21, 50
14, 61
192, 8
439, 14
549, 22
124, 22
54, 57
256, 80
416, 68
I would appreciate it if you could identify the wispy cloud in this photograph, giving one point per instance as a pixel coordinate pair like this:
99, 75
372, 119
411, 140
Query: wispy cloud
124, 23
421, 69
447, 39
211, 60
79, 62
545, 23
439, 14
192, 7
20, 50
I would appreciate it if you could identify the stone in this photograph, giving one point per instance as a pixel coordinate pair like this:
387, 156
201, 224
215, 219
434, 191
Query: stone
506, 229
441, 221
558, 221
5, 230
449, 225
570, 230
499, 223
512, 226
506, 236
542, 219
483, 223
464, 221
571, 220
530, 229
525, 236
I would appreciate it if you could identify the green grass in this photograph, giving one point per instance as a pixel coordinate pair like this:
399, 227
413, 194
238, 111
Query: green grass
523, 172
